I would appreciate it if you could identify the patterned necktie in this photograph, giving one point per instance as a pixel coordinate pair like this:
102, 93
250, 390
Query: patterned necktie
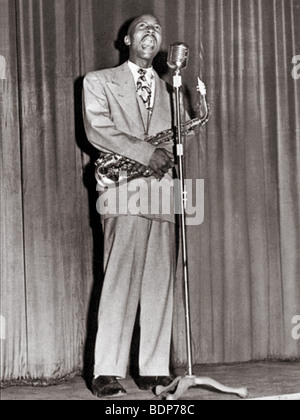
143, 88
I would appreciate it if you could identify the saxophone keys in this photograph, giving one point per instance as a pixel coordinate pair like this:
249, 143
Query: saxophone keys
147, 172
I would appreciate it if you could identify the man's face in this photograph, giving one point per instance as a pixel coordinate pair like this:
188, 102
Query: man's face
144, 40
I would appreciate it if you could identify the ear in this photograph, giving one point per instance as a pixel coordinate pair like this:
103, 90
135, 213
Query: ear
127, 40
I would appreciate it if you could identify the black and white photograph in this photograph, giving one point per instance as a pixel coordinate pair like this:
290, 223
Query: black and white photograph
150, 202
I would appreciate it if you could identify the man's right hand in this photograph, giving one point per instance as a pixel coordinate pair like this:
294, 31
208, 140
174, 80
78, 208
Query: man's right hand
161, 161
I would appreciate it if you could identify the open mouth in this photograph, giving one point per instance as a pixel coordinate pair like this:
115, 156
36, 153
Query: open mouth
148, 42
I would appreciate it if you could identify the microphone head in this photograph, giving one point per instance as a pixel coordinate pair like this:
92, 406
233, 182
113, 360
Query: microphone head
178, 55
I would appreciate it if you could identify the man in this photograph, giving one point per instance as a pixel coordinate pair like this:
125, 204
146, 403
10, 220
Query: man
123, 106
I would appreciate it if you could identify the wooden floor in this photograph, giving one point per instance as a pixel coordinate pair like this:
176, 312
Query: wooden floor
264, 380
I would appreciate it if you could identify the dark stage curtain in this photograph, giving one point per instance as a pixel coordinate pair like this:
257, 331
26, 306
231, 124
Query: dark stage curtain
243, 259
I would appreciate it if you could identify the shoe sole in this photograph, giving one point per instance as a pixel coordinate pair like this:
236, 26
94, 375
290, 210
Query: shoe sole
118, 395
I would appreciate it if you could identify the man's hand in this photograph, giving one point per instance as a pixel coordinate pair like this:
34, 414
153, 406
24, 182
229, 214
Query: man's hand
161, 161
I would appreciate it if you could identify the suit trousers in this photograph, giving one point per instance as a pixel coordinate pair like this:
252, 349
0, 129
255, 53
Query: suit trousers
139, 267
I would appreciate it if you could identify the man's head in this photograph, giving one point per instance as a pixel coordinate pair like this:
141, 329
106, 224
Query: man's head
144, 39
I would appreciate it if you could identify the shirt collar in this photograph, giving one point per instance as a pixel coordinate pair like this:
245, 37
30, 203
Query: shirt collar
134, 68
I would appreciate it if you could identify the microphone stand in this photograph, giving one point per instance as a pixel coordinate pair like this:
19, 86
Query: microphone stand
189, 380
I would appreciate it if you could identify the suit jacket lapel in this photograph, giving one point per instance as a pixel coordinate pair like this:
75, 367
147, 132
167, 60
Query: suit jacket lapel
124, 90
161, 117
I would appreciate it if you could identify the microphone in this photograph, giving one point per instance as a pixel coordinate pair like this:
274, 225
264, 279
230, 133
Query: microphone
178, 55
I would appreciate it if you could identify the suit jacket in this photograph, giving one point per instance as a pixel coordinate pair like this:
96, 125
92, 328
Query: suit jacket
116, 119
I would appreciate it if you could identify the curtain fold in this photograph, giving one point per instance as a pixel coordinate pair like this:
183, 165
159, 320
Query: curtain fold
53, 221
13, 355
243, 259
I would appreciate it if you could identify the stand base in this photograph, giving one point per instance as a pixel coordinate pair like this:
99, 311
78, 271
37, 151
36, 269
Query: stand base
182, 383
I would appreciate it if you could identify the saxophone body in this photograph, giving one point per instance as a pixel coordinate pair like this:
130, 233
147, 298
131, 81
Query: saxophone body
113, 169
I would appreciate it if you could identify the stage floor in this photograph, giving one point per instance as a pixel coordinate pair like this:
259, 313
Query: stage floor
264, 380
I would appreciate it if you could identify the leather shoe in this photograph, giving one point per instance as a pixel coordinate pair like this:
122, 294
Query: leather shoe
107, 386
147, 383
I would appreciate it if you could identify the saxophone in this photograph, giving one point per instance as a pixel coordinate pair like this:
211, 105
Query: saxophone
113, 169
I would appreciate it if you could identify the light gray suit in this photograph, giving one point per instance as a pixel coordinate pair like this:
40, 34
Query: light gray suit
115, 117
139, 254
